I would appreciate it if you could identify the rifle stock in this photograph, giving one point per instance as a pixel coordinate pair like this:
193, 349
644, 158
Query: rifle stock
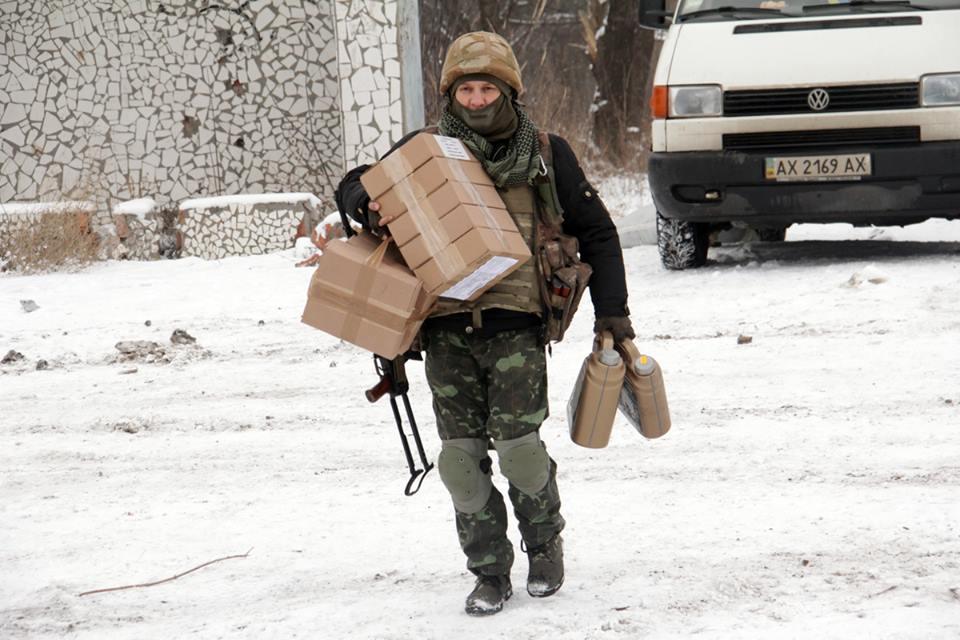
393, 381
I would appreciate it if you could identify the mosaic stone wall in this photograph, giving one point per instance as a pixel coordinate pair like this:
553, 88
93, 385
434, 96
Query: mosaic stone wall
139, 237
367, 32
239, 229
108, 100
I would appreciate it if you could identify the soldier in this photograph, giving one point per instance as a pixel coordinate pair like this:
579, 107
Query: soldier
485, 361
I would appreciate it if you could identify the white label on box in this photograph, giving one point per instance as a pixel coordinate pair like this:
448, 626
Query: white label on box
484, 274
452, 147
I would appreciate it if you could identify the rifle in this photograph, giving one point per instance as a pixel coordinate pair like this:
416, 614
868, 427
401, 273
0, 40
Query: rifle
393, 380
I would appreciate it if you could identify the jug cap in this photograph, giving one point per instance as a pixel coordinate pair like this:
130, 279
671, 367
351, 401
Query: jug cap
610, 357
644, 365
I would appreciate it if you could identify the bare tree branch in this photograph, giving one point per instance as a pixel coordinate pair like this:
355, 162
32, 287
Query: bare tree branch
548, 21
171, 578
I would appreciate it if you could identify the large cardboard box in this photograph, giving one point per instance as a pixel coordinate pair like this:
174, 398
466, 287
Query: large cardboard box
362, 292
450, 223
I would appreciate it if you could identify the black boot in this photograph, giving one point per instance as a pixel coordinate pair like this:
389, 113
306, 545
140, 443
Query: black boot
546, 568
488, 595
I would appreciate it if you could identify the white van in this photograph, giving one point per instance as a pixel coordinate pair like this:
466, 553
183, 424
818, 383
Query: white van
774, 112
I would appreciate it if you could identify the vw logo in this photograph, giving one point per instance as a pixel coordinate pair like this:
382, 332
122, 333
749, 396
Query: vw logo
818, 99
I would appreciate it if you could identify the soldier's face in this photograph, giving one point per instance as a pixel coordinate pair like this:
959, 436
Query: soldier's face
476, 94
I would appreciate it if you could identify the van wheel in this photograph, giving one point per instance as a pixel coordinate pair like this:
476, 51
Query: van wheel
772, 234
682, 245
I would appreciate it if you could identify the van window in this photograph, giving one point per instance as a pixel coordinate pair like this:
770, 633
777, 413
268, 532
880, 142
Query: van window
718, 10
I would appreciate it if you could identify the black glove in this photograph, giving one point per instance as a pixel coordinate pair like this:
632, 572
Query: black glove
619, 326
373, 221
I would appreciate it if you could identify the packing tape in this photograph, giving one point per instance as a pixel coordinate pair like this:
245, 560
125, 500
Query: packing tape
355, 309
368, 272
458, 172
426, 220
471, 188
396, 166
492, 223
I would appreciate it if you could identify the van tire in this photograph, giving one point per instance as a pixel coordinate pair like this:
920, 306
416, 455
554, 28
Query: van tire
682, 245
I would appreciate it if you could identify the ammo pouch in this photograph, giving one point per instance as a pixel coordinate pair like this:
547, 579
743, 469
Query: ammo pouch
563, 279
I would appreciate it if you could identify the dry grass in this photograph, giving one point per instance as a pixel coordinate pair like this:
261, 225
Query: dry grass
51, 242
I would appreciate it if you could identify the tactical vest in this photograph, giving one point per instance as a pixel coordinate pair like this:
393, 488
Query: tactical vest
552, 282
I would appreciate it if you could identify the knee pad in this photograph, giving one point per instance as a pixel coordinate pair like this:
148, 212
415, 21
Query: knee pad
459, 467
524, 462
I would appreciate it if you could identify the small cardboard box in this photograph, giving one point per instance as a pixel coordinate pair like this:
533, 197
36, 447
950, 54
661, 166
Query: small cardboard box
450, 223
458, 224
363, 293
423, 180
472, 254
442, 201
416, 152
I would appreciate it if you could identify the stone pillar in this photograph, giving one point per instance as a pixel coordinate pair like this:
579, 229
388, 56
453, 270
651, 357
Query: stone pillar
370, 84
411, 65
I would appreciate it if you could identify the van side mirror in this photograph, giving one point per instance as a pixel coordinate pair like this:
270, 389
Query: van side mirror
654, 14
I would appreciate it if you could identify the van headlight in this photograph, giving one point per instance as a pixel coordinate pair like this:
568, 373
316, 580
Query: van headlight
940, 90
696, 101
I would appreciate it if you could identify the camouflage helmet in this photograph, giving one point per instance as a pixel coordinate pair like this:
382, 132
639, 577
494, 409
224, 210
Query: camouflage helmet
480, 52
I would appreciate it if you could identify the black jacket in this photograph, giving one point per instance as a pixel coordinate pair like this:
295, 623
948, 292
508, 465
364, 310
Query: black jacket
584, 217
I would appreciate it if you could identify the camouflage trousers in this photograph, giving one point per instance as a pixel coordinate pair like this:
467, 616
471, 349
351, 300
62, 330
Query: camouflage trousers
494, 388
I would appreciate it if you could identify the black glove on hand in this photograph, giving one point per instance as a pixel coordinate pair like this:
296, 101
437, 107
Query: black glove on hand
373, 224
619, 326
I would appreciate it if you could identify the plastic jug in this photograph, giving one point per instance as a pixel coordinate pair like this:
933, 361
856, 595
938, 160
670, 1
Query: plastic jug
593, 403
643, 398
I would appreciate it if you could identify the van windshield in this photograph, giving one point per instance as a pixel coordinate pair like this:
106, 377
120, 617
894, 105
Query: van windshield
716, 10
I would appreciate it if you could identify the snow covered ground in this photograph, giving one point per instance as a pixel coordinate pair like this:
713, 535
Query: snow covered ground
809, 487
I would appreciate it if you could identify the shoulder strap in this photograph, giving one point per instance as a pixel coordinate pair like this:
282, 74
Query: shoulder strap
546, 151
551, 213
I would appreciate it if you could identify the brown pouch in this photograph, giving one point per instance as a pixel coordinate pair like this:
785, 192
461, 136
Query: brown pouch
563, 280
643, 398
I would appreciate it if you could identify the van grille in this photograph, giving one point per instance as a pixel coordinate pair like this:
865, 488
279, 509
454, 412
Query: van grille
820, 139
865, 97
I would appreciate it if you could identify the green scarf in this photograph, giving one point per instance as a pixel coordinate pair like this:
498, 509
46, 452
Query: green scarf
514, 161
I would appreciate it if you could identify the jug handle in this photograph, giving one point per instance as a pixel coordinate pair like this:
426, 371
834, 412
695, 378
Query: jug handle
603, 340
628, 350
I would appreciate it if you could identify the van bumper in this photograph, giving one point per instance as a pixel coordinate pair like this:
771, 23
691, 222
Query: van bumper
909, 184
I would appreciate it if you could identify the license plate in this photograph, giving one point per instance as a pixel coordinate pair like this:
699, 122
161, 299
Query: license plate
832, 167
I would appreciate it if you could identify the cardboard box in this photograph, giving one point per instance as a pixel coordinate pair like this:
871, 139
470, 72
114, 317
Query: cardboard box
424, 179
471, 254
363, 293
450, 223
441, 202
416, 152
456, 225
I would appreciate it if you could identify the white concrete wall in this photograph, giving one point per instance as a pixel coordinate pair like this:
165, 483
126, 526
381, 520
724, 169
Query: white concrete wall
170, 99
